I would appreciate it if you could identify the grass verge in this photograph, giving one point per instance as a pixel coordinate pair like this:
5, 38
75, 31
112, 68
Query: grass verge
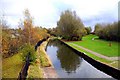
34, 72
12, 66
43, 56
43, 60
108, 62
35, 69
99, 46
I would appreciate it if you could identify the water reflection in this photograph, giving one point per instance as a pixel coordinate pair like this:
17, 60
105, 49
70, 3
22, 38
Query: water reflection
69, 65
68, 59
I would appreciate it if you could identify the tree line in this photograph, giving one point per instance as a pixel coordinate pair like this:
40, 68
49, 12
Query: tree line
109, 32
71, 27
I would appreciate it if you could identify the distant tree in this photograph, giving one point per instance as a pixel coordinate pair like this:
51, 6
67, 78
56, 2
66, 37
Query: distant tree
70, 26
88, 30
54, 31
97, 27
108, 31
38, 34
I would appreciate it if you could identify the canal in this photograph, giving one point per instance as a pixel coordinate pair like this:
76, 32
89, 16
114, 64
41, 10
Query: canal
69, 65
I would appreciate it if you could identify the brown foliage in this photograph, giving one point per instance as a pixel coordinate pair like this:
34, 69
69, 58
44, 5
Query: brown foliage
13, 39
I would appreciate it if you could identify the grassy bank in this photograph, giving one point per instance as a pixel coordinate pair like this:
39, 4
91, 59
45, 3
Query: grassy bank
89, 54
44, 59
108, 62
99, 46
35, 70
114, 64
12, 66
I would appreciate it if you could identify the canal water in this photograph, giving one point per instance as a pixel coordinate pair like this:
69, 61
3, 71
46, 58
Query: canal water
69, 65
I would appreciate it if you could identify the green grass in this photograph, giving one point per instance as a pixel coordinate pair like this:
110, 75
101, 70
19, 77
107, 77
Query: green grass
98, 45
11, 66
43, 60
34, 72
111, 63
89, 54
116, 64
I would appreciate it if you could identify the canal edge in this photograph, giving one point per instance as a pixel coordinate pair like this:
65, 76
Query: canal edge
48, 72
99, 65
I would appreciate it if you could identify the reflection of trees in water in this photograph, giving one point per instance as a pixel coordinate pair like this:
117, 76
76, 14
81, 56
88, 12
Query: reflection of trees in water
68, 59
54, 43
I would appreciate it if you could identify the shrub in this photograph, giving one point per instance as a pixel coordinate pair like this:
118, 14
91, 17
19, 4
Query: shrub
28, 50
108, 31
74, 38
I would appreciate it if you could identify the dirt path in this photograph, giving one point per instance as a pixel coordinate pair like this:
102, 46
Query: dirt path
97, 54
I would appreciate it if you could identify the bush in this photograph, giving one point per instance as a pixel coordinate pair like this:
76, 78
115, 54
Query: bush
74, 38
28, 50
109, 32
66, 37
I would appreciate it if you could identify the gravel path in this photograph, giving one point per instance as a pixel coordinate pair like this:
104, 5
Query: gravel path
97, 54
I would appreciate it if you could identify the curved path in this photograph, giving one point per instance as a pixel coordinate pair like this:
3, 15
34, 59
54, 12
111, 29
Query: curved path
97, 54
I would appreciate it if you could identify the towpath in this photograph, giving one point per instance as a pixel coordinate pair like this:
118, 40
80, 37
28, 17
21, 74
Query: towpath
97, 54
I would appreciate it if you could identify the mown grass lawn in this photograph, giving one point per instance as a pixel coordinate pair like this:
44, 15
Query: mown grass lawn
99, 46
108, 62
89, 54
11, 66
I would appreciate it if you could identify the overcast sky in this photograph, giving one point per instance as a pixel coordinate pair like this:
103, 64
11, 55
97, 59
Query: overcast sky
46, 13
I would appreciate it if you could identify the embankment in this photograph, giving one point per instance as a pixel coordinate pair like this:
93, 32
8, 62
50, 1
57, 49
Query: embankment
43, 67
